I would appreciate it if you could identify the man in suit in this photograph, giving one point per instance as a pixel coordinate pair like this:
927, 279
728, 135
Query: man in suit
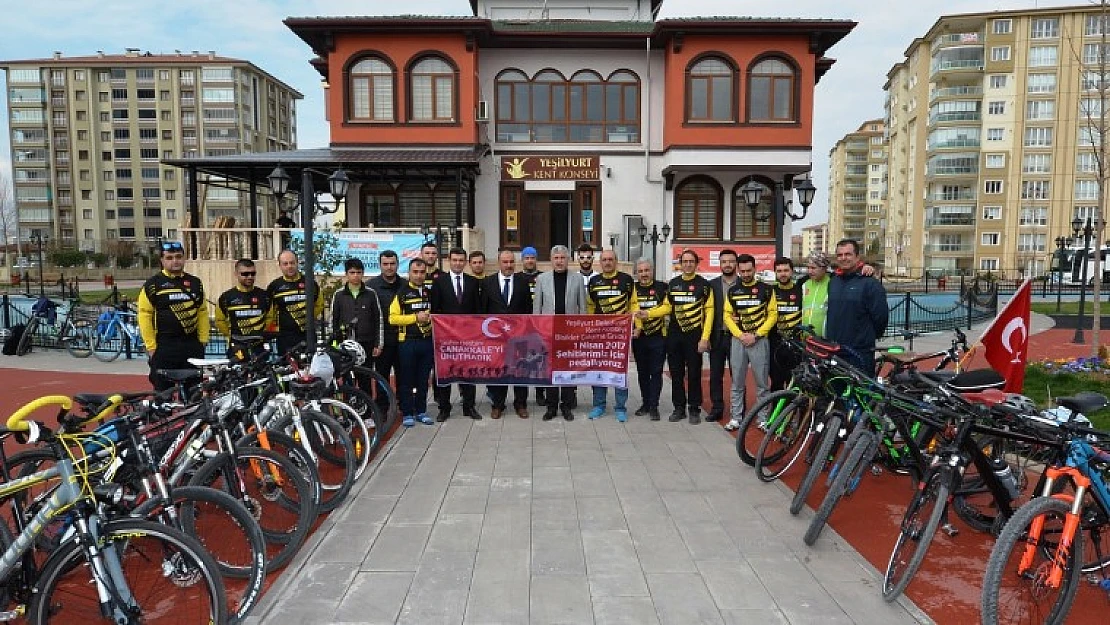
456, 293
555, 294
507, 293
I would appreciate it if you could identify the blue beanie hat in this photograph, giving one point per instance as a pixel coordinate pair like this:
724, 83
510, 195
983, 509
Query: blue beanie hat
528, 251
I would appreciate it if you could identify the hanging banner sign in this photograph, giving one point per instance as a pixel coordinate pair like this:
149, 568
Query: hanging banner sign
365, 246
532, 350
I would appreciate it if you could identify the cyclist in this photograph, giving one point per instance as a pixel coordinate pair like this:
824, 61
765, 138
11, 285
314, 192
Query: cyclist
788, 300
610, 292
243, 310
385, 286
720, 340
356, 305
649, 336
173, 317
750, 313
857, 308
411, 313
691, 320
290, 308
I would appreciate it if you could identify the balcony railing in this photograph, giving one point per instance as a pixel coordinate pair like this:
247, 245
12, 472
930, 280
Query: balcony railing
958, 65
953, 143
957, 116
952, 92
958, 39
948, 248
952, 197
950, 219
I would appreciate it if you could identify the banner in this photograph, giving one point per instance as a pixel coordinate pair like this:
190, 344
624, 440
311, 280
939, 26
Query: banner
532, 350
710, 256
366, 246
1007, 339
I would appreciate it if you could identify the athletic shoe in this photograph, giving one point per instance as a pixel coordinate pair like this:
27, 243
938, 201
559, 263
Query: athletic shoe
596, 412
425, 419
622, 416
733, 425
408, 421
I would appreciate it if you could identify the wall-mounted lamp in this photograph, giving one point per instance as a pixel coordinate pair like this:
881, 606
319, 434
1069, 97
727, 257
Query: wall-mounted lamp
608, 172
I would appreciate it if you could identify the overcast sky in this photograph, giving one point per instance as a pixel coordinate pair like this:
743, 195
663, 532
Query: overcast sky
251, 29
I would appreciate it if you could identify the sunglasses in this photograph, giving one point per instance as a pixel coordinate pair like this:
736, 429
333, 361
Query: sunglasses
172, 246
248, 274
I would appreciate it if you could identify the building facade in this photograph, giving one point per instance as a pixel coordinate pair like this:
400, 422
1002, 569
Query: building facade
815, 239
993, 124
88, 135
569, 122
857, 187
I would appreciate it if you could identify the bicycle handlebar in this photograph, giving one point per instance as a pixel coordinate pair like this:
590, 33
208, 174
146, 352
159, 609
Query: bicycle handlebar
18, 421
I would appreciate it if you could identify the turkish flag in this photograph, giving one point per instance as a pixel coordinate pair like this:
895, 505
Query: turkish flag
1007, 339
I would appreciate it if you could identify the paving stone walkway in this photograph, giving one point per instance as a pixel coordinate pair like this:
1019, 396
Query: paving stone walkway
525, 521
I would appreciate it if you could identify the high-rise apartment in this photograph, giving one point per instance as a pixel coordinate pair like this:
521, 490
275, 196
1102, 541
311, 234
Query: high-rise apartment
992, 122
857, 187
88, 134
815, 239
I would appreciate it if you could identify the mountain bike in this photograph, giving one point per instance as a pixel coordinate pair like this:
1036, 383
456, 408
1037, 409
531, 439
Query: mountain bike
117, 330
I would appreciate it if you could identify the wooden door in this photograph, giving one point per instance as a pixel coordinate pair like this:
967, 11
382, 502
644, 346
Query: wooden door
536, 223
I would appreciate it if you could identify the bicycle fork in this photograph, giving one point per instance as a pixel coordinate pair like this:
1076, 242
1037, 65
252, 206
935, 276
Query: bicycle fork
1071, 525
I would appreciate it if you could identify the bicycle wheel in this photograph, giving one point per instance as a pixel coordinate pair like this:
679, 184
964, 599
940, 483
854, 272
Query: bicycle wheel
364, 434
327, 440
383, 395
227, 531
919, 525
372, 415
169, 577
764, 413
78, 340
1016, 587
24, 346
282, 443
107, 342
276, 494
860, 456
783, 443
830, 432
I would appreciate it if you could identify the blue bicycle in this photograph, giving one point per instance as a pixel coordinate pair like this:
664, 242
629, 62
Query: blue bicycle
117, 329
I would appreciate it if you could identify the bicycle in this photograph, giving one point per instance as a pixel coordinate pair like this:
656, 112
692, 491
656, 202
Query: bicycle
134, 570
117, 329
74, 331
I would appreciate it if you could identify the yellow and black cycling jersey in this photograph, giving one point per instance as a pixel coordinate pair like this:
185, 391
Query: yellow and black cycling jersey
691, 299
750, 307
788, 300
243, 313
290, 303
410, 300
653, 298
172, 307
611, 294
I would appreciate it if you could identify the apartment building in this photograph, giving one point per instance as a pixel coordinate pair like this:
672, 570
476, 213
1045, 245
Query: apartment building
88, 135
857, 186
816, 238
993, 126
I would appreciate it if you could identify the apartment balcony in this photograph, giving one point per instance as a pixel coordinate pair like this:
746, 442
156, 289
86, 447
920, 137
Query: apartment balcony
939, 219
953, 143
949, 249
957, 116
188, 101
953, 40
58, 102
60, 122
961, 92
956, 67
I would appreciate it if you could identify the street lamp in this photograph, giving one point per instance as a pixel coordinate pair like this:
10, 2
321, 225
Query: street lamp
781, 208
1061, 244
42, 286
655, 238
338, 184
1087, 229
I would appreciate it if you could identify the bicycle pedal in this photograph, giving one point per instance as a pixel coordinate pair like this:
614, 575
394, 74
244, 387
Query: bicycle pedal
950, 530
876, 470
11, 615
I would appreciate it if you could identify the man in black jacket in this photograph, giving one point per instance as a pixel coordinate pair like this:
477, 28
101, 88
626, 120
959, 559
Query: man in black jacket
507, 293
385, 286
456, 293
857, 310
720, 339
355, 309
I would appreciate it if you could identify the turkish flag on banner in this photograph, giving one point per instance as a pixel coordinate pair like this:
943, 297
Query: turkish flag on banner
1007, 339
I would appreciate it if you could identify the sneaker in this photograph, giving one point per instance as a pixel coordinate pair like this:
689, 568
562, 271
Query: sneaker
695, 417
622, 416
714, 416
408, 421
641, 411
654, 412
567, 414
733, 425
549, 415
425, 419
596, 412
676, 416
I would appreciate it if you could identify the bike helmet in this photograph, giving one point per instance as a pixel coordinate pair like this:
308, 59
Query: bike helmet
353, 349
1019, 405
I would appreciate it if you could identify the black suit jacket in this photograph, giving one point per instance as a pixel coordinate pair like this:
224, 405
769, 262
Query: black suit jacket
520, 302
443, 295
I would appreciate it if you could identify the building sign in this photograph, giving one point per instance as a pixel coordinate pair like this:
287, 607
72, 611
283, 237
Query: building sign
365, 246
710, 256
574, 167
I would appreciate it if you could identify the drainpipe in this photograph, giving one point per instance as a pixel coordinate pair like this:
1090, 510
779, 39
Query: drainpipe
647, 98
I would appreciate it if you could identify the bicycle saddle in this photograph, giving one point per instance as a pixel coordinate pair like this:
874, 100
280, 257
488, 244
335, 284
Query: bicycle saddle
180, 375
247, 340
1084, 402
307, 387
209, 362
975, 380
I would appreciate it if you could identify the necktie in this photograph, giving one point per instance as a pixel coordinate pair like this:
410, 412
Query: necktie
458, 288
505, 291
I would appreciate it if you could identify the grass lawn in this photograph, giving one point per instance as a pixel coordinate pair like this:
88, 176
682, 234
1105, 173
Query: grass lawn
1038, 384
1068, 308
100, 295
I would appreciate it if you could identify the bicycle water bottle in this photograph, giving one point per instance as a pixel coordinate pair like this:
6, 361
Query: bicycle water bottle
1006, 476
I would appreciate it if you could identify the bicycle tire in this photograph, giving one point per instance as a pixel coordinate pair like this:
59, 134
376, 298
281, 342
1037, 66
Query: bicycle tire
325, 434
829, 436
369, 410
799, 424
1001, 568
1099, 554
856, 458
381, 391
106, 348
193, 583
293, 497
240, 527
22, 464
854, 432
78, 340
282, 443
746, 452
934, 493
25, 341
364, 438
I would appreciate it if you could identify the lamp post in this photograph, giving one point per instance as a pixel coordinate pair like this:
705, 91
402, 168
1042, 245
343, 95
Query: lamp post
1078, 226
42, 285
279, 185
1061, 243
781, 208
655, 238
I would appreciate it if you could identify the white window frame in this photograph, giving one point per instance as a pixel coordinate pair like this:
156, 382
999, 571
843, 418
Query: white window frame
1044, 28
992, 213
994, 161
1002, 26
993, 187
1000, 54
996, 134
988, 264
1044, 56
997, 81
990, 239
998, 107
1036, 163
1033, 83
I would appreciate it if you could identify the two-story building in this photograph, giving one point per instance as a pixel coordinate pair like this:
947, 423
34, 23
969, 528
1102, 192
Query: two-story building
563, 122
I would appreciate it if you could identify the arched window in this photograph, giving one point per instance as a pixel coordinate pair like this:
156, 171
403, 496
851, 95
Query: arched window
771, 91
370, 91
586, 107
432, 91
711, 90
697, 208
514, 108
622, 107
548, 108
743, 224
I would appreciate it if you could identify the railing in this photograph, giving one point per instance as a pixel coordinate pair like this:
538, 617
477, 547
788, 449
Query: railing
950, 220
954, 39
959, 116
951, 197
977, 303
948, 248
972, 64
953, 143
954, 92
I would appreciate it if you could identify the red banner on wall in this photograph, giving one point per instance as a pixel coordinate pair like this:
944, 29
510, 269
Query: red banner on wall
710, 254
532, 350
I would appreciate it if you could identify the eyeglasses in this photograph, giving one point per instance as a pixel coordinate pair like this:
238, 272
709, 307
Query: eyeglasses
172, 246
248, 274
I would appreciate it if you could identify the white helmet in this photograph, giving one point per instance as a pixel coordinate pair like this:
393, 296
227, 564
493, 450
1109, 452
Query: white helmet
353, 349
